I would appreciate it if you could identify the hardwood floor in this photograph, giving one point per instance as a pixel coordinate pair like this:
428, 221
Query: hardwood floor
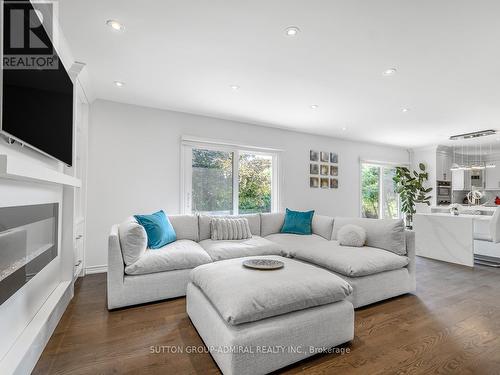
451, 326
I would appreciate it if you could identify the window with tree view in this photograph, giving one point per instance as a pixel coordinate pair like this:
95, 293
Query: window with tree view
230, 182
255, 183
212, 181
378, 199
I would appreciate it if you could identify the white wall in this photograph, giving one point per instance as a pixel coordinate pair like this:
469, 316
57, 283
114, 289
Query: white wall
134, 165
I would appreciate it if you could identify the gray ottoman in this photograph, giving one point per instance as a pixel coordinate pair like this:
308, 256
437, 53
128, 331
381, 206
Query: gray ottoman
255, 322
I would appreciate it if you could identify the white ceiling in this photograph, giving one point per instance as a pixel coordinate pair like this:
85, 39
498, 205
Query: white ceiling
184, 55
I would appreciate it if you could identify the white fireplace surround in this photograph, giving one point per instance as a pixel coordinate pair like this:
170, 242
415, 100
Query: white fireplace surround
29, 317
18, 169
25, 315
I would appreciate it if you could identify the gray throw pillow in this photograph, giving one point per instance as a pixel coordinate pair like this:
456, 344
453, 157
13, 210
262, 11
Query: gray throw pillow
229, 229
351, 235
133, 240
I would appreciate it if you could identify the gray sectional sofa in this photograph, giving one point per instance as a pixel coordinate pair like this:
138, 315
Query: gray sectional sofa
382, 269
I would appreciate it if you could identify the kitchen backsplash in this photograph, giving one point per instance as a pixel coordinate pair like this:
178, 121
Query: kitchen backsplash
489, 196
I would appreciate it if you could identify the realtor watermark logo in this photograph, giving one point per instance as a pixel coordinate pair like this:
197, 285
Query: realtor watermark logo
29, 35
245, 349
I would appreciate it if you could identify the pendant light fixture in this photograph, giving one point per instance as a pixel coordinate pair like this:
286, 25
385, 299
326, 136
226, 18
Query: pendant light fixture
467, 165
474, 163
461, 166
490, 164
478, 134
454, 166
480, 165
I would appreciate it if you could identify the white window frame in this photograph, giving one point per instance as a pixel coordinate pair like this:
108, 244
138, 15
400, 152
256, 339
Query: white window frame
379, 164
190, 143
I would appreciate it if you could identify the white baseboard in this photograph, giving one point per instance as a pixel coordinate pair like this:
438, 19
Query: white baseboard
23, 356
96, 269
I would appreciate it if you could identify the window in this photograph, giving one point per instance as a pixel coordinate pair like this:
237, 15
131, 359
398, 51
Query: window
227, 180
212, 181
255, 183
378, 199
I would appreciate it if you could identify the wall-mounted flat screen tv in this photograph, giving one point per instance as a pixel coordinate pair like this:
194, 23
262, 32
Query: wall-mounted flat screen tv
37, 103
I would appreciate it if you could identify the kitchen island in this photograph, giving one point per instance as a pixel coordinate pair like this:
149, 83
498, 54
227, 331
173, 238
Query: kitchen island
483, 210
450, 238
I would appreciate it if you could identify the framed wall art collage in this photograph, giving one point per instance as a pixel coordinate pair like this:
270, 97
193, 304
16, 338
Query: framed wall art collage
323, 170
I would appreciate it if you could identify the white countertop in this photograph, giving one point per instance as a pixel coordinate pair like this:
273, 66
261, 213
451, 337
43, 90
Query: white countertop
466, 208
468, 216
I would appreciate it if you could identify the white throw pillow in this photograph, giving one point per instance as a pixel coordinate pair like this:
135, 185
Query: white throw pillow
133, 240
229, 229
351, 235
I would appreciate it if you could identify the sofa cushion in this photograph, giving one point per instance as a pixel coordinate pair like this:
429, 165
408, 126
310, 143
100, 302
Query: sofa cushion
378, 287
322, 226
178, 255
297, 222
186, 226
291, 242
255, 245
352, 235
351, 261
204, 224
159, 230
387, 234
133, 240
229, 229
271, 223
244, 295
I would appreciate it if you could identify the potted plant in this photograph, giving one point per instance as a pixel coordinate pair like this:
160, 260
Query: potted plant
411, 190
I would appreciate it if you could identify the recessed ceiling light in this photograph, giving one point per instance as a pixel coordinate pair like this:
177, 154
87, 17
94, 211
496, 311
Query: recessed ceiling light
119, 83
404, 110
344, 128
292, 31
115, 25
389, 72
235, 87
314, 106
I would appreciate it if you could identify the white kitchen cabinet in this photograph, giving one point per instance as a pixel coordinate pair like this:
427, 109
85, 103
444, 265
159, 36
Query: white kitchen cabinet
443, 166
447, 165
463, 180
493, 178
458, 180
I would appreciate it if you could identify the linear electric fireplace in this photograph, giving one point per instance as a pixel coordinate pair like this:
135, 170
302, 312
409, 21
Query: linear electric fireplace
28, 242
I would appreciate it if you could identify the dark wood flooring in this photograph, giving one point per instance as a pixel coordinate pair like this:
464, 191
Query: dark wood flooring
451, 326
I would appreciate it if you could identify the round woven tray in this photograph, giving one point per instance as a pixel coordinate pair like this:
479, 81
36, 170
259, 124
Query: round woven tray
263, 264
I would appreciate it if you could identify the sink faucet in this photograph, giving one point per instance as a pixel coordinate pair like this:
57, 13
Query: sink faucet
474, 197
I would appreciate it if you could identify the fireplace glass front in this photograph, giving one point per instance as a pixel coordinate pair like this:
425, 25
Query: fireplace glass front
28, 242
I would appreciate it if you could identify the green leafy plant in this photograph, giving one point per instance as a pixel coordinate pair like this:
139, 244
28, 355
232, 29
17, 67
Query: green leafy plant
411, 190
